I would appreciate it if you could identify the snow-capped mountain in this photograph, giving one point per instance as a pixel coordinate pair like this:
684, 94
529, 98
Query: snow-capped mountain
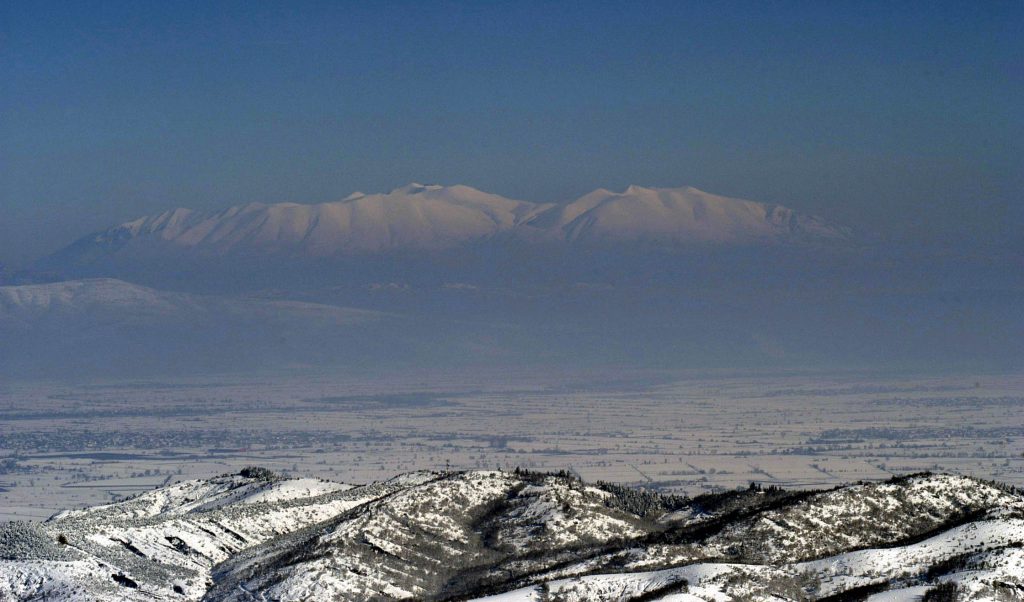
523, 536
435, 218
414, 217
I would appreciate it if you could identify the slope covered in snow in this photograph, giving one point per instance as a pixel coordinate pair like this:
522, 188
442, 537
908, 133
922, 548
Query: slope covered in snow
435, 218
165, 542
681, 216
412, 217
522, 536
105, 325
31, 304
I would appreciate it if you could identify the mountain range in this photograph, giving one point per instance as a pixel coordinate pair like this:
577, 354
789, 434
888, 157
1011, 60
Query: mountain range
522, 536
417, 218
673, 277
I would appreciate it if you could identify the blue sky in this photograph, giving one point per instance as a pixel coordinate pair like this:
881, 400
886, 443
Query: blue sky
902, 118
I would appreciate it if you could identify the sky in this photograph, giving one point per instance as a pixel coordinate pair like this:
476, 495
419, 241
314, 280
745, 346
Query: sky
898, 118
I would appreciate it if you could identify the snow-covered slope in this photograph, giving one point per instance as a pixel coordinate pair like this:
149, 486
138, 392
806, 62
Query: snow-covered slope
431, 218
110, 326
413, 217
98, 304
97, 298
679, 215
522, 536
163, 544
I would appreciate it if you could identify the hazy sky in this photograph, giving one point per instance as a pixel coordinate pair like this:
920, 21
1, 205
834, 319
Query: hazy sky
904, 118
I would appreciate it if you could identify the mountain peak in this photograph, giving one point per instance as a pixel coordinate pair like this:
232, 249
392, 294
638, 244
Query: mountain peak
416, 188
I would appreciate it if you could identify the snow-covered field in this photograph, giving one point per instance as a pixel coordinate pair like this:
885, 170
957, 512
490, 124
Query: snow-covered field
66, 445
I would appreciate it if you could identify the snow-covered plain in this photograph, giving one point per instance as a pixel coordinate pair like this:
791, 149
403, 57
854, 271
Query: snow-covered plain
67, 446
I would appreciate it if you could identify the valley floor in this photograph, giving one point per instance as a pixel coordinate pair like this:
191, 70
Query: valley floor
67, 445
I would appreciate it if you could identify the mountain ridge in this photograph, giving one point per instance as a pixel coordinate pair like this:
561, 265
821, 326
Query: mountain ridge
108, 326
30, 300
424, 218
523, 536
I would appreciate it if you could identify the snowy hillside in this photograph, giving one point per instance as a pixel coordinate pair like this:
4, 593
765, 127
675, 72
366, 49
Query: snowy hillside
105, 297
679, 215
98, 325
418, 218
522, 536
